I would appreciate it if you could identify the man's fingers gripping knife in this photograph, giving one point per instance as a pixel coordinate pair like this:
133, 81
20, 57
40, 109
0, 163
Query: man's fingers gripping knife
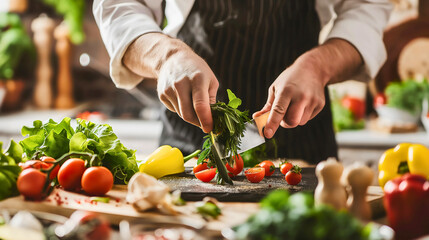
277, 113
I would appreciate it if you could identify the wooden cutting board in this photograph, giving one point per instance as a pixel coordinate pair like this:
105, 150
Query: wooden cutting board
64, 203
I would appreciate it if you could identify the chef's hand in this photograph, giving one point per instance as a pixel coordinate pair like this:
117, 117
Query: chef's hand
297, 95
185, 83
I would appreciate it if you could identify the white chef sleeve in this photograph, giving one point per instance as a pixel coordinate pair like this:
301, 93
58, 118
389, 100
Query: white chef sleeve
120, 23
362, 23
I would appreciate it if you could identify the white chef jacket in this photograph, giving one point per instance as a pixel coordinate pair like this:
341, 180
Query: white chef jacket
360, 22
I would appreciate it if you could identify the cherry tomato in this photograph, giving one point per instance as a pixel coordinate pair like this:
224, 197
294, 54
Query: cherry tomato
293, 177
30, 183
91, 225
255, 174
206, 175
97, 180
237, 167
355, 105
269, 167
200, 167
70, 174
37, 164
380, 99
50, 161
285, 167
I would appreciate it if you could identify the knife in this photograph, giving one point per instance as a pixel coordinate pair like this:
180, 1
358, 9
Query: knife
253, 136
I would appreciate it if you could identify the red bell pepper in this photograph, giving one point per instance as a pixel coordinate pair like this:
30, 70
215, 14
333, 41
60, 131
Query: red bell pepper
406, 200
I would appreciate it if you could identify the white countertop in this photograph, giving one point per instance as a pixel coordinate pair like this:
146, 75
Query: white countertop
368, 138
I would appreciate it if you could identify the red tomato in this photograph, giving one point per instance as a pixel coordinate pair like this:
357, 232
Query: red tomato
97, 180
355, 105
255, 174
50, 161
380, 99
70, 174
285, 167
237, 167
293, 177
37, 164
269, 167
30, 183
200, 167
206, 175
95, 226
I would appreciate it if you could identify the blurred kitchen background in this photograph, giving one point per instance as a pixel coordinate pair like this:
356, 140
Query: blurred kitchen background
72, 79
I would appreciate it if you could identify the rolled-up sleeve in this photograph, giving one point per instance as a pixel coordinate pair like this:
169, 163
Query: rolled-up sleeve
120, 23
362, 23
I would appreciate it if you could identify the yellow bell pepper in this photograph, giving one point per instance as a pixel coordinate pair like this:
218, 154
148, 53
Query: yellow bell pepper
405, 157
165, 160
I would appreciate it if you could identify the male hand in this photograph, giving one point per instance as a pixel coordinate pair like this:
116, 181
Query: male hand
295, 97
187, 86
298, 95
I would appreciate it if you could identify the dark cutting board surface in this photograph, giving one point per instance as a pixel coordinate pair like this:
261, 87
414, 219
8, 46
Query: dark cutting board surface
242, 191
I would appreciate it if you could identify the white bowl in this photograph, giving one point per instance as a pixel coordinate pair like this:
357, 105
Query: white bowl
396, 115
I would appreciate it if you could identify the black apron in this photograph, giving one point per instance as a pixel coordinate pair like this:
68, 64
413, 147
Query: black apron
248, 44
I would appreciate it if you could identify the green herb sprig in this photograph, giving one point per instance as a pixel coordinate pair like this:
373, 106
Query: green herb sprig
228, 128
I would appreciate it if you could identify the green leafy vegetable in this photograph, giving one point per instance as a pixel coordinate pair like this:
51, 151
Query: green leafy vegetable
9, 170
228, 128
407, 95
73, 12
17, 52
343, 118
56, 139
285, 216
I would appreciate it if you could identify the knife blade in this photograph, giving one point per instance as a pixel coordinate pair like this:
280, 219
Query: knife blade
253, 136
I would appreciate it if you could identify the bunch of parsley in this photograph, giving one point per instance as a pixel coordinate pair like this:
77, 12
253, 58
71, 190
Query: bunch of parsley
228, 128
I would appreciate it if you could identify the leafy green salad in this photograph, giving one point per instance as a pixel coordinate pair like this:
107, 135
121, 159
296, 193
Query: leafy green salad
56, 139
285, 216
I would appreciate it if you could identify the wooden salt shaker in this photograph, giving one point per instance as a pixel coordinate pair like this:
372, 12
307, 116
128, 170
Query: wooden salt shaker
329, 190
18, 6
64, 98
43, 27
357, 177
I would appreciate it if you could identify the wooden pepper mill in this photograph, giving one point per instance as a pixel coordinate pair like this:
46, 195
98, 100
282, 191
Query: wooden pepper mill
329, 190
63, 46
357, 178
43, 28
18, 6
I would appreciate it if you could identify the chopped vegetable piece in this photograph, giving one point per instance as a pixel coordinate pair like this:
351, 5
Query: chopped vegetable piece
100, 199
209, 210
206, 175
255, 175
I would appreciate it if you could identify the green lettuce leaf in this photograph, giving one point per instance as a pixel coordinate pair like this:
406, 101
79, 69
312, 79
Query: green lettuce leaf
9, 170
56, 139
101, 140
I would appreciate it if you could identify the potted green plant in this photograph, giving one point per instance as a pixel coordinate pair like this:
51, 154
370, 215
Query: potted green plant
17, 59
